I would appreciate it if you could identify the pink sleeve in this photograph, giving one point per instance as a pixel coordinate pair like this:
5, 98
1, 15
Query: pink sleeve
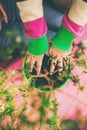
36, 28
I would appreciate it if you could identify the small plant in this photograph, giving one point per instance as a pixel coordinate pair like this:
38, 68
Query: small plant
46, 81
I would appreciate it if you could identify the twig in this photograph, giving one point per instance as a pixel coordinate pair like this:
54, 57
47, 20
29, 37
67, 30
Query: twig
45, 75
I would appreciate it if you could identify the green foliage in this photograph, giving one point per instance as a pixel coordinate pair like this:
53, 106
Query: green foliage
46, 101
53, 122
82, 63
75, 79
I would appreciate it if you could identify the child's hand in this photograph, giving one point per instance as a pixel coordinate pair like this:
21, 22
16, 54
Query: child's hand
3, 14
56, 55
32, 59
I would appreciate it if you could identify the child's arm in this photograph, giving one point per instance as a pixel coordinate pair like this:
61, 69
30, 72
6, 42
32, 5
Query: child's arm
3, 14
31, 12
73, 29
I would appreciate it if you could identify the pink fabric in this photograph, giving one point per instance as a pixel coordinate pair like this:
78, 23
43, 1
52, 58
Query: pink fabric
16, 64
36, 28
79, 31
83, 35
73, 27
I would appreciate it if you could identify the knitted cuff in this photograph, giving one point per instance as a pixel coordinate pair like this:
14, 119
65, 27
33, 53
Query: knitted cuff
63, 39
35, 28
36, 32
38, 46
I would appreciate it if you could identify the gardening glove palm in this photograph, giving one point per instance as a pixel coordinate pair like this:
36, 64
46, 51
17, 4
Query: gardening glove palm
32, 59
57, 57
